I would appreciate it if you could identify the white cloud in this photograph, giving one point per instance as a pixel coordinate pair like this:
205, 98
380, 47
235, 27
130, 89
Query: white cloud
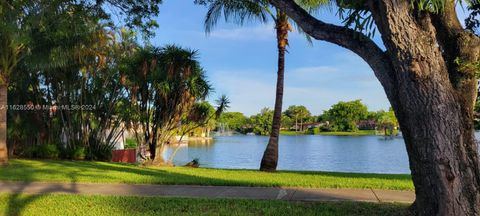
248, 90
258, 32
306, 71
316, 87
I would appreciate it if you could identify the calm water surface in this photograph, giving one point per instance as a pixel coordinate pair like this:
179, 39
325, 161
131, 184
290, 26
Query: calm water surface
370, 154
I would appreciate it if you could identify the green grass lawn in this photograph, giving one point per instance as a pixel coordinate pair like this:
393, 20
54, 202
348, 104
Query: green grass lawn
103, 172
60, 204
291, 133
332, 133
346, 133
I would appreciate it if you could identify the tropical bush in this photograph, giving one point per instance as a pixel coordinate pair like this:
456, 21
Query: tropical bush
130, 143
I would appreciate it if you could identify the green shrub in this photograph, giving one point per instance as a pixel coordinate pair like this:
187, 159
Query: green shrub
48, 151
130, 143
79, 153
100, 152
326, 128
29, 151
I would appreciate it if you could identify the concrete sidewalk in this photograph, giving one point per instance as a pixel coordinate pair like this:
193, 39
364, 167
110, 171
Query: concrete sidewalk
266, 193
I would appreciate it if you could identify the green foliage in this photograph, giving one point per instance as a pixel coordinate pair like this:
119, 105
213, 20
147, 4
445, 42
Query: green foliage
472, 22
64, 53
237, 11
86, 95
262, 122
355, 15
61, 22
164, 84
287, 122
299, 113
79, 153
130, 143
202, 111
48, 151
223, 103
202, 118
435, 6
233, 120
387, 121
344, 116
100, 153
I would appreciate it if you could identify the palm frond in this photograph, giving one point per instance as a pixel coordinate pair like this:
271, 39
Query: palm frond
223, 103
237, 11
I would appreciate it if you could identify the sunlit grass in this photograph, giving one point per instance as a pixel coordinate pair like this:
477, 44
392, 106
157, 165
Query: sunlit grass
331, 133
15, 204
348, 133
103, 172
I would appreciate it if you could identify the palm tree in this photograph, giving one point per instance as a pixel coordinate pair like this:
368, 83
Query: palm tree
23, 21
26, 43
164, 84
239, 11
270, 156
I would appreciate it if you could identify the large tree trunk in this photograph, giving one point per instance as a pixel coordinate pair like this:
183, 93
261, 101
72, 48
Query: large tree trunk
3, 125
160, 150
428, 74
270, 156
438, 134
434, 104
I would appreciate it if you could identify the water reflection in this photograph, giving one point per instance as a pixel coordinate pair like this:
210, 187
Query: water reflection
326, 153
373, 154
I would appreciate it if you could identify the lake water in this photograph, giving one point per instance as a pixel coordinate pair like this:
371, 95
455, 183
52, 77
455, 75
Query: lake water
370, 154
367, 154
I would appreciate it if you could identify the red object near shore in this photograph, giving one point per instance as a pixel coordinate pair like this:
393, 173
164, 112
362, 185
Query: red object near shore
124, 156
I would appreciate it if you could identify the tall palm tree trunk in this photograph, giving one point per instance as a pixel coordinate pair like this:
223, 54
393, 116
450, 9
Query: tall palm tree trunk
301, 125
270, 156
3, 125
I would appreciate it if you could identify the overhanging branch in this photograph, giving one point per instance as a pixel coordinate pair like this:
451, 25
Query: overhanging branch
344, 37
461, 49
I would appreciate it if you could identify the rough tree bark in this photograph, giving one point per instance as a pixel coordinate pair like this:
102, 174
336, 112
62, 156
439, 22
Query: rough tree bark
3, 125
270, 156
428, 74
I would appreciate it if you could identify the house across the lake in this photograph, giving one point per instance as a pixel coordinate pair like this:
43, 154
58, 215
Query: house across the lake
367, 124
310, 125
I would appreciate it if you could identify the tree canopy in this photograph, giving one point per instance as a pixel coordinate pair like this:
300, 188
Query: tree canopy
344, 116
262, 123
233, 120
298, 112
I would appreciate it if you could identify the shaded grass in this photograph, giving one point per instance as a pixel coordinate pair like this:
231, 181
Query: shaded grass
60, 204
103, 172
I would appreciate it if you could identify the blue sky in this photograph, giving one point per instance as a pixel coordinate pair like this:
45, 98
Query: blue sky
240, 61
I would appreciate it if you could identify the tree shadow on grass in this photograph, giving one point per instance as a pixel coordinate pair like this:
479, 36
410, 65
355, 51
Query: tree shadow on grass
102, 172
18, 200
25, 192
73, 172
